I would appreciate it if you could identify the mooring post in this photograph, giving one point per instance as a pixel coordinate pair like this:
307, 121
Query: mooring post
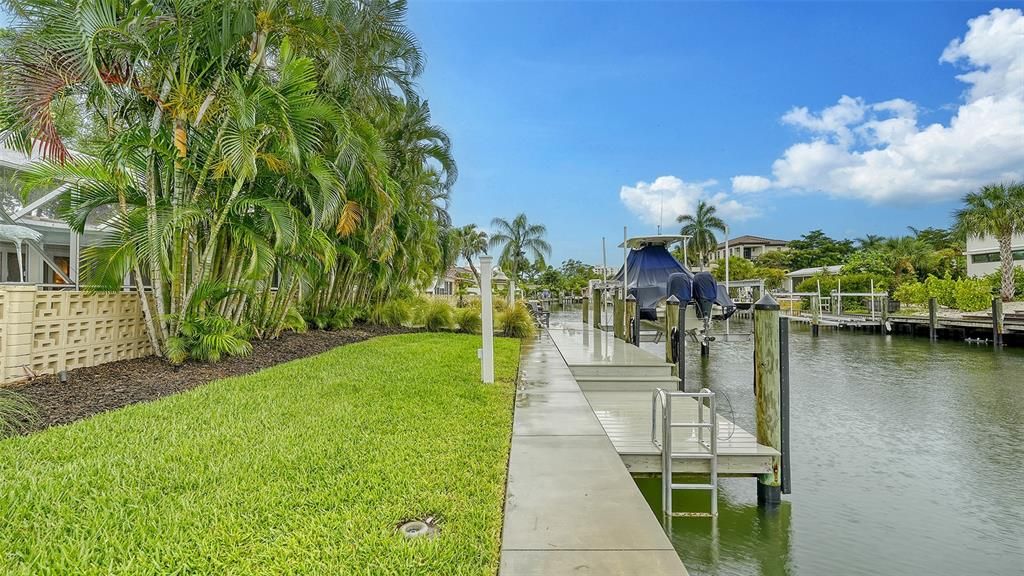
933, 318
997, 321
681, 350
631, 320
671, 319
618, 307
885, 314
767, 394
787, 487
815, 315
596, 297
586, 310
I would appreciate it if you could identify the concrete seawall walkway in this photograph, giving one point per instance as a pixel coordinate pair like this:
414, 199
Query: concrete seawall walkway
571, 506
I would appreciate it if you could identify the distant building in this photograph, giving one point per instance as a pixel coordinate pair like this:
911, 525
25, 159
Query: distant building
794, 278
748, 247
983, 254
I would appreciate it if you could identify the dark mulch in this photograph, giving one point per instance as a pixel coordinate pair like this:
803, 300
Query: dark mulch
110, 386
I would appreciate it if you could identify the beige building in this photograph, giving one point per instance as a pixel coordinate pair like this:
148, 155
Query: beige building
748, 247
983, 254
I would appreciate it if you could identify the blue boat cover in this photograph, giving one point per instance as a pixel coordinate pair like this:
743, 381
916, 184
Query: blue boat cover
680, 284
649, 270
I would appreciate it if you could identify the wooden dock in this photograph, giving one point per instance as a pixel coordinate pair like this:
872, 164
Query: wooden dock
618, 380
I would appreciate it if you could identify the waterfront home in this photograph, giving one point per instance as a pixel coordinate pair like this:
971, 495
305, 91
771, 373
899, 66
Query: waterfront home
748, 247
983, 254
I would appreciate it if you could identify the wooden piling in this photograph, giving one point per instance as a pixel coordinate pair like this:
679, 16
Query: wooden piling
933, 318
630, 325
618, 309
767, 394
596, 307
997, 321
586, 311
815, 315
885, 314
671, 319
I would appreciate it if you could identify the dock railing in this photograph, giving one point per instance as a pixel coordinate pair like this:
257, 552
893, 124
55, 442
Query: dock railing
662, 399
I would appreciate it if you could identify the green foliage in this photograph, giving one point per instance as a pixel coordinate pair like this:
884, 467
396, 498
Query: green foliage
396, 312
701, 227
15, 413
437, 315
996, 278
742, 269
226, 467
517, 322
208, 339
972, 294
871, 261
966, 294
468, 319
816, 249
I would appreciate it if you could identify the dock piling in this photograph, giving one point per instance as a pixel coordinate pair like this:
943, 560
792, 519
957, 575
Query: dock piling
885, 314
767, 394
997, 321
618, 308
933, 318
815, 315
586, 310
596, 304
632, 325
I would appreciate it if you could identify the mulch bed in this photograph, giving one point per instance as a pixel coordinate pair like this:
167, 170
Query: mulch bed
110, 386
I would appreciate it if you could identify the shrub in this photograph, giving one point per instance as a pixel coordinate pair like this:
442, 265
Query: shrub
973, 294
942, 289
500, 304
996, 280
469, 320
392, 313
516, 322
208, 339
911, 293
437, 315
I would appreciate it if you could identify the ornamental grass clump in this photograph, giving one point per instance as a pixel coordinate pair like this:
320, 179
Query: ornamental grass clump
392, 313
15, 413
469, 320
516, 322
437, 316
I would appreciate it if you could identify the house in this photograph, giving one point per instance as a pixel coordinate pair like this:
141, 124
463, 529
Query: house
983, 254
794, 278
53, 259
454, 279
748, 247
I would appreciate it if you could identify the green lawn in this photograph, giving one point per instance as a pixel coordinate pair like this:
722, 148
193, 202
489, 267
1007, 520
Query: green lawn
305, 468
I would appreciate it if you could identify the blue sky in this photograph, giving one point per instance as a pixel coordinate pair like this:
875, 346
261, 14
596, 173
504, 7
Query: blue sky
591, 116
572, 111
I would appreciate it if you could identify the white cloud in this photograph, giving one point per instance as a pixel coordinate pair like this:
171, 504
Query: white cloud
879, 152
744, 184
668, 196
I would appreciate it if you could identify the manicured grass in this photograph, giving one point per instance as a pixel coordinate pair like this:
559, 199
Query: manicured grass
305, 468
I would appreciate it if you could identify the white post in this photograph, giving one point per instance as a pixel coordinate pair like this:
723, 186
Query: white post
604, 285
487, 320
819, 297
686, 263
839, 298
872, 298
75, 249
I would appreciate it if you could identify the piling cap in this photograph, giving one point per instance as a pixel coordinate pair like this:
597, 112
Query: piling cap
672, 300
766, 303
630, 298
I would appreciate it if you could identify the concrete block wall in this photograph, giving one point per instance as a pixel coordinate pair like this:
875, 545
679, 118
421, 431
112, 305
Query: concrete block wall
44, 332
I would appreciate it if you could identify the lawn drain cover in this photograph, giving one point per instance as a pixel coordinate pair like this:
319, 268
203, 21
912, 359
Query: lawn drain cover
418, 528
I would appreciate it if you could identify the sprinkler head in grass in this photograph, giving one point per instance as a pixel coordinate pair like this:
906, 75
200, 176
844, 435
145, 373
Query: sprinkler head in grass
418, 528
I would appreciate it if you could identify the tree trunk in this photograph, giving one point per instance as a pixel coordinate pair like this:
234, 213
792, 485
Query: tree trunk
1006, 261
476, 274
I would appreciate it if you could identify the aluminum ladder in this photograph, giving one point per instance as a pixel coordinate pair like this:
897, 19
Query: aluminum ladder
705, 449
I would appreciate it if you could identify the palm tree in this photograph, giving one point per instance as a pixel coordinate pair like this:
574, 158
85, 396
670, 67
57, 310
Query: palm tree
995, 210
870, 241
472, 242
700, 227
519, 240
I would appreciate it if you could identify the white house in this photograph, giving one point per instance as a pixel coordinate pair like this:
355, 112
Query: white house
748, 247
794, 278
53, 259
983, 254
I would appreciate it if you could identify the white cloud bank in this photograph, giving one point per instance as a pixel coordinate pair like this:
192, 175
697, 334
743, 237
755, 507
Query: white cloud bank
667, 197
878, 152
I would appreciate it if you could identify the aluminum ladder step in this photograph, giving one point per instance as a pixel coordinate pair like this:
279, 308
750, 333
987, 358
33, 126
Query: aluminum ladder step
668, 456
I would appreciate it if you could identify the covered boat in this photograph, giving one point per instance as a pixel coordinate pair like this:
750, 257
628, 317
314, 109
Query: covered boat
649, 266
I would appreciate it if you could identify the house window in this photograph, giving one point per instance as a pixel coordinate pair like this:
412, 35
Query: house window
748, 253
64, 265
12, 268
987, 257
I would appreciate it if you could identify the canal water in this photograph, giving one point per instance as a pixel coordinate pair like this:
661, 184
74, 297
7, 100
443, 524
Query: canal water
907, 459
